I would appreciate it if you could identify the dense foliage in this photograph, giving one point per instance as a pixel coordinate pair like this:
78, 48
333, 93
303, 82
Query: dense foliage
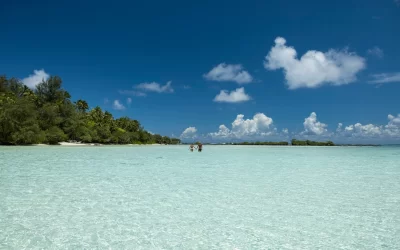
47, 115
311, 143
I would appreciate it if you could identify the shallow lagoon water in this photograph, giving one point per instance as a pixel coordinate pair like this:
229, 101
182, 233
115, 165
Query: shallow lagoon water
226, 197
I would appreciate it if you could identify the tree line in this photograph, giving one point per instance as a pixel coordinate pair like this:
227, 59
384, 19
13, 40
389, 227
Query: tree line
47, 115
280, 143
311, 143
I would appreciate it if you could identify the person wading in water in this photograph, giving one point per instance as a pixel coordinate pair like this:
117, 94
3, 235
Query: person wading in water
199, 147
191, 147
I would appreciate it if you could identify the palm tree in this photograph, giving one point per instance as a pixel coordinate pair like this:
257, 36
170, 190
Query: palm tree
82, 105
97, 115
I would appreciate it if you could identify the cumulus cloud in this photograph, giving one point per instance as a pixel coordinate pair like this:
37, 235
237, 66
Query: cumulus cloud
313, 127
393, 126
229, 72
129, 100
189, 132
376, 51
285, 131
314, 68
155, 87
386, 78
369, 131
234, 96
34, 79
259, 125
359, 130
117, 105
223, 132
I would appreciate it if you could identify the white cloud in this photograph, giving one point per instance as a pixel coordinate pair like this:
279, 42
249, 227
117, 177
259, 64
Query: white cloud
260, 125
313, 127
223, 132
37, 77
393, 126
394, 121
117, 105
386, 78
229, 72
376, 51
369, 131
314, 68
237, 95
186, 87
359, 130
189, 132
156, 87
339, 127
131, 92
129, 100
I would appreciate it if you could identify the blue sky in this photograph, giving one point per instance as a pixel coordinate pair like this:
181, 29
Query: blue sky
302, 66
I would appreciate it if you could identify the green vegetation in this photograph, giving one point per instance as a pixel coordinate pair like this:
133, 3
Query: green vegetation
358, 145
311, 143
47, 115
281, 143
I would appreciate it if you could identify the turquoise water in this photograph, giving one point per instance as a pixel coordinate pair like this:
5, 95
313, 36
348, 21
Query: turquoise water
227, 197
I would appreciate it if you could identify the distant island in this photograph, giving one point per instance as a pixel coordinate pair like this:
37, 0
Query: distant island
294, 142
46, 115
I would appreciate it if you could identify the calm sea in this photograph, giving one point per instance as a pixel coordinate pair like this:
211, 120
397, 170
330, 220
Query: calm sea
226, 197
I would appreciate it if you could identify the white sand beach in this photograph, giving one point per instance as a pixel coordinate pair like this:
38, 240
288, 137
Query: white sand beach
71, 144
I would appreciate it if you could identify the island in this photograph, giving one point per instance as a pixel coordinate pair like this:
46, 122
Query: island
46, 115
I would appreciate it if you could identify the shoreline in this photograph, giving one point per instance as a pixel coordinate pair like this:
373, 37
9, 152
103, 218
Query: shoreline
71, 144
77, 144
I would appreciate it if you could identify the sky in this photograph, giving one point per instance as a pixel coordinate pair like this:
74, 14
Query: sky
219, 71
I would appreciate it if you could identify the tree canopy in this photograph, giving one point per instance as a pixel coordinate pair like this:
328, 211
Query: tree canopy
46, 114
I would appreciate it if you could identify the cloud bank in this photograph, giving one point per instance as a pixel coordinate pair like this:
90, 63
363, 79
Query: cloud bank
261, 128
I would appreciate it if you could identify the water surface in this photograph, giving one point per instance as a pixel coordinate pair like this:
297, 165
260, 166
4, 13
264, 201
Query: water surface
226, 197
